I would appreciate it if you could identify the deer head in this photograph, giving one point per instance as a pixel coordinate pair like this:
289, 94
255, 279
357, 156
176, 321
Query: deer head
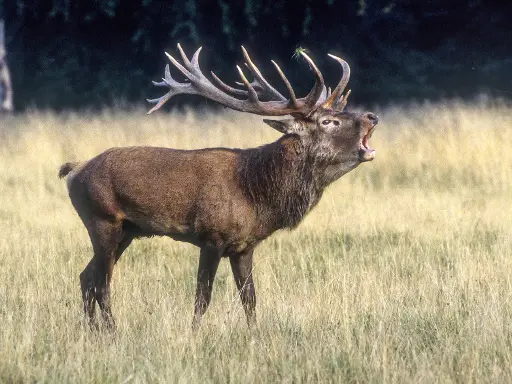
337, 139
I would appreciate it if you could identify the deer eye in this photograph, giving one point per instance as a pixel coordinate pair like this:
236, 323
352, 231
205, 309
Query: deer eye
336, 122
325, 122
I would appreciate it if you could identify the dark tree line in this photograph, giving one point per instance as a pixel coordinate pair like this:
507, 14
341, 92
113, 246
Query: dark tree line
5, 76
87, 53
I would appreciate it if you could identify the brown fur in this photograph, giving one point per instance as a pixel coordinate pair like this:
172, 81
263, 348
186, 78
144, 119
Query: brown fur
225, 201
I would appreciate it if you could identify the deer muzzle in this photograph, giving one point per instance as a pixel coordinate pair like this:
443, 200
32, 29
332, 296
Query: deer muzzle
366, 153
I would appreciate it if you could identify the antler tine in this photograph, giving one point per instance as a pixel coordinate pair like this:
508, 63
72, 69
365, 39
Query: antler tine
239, 92
257, 87
159, 102
166, 79
332, 100
253, 96
191, 65
179, 66
227, 88
265, 85
184, 57
342, 102
195, 60
319, 86
293, 99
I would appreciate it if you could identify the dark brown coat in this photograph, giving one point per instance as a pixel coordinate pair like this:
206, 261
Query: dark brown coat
225, 201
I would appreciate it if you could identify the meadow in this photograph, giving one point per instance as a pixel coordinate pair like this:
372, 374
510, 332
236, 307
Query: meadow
402, 273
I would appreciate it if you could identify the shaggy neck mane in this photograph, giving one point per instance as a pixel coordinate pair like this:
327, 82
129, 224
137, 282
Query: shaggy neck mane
278, 178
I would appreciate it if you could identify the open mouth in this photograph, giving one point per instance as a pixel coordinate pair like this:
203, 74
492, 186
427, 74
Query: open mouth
365, 152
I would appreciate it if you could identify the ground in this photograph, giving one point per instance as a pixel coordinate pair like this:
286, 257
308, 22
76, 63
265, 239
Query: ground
401, 274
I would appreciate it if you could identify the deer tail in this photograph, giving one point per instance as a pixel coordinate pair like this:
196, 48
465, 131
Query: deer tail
66, 168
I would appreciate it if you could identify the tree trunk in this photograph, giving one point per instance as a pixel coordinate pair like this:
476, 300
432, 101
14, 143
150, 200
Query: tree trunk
5, 77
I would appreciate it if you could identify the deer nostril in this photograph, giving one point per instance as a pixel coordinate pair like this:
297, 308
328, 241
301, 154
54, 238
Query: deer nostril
374, 119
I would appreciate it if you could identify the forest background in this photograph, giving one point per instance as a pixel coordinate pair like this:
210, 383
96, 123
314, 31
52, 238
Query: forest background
88, 54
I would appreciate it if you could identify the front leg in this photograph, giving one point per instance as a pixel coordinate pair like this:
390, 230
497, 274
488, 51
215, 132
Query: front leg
241, 265
208, 263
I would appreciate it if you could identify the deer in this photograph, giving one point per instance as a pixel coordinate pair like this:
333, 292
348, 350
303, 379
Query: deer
224, 201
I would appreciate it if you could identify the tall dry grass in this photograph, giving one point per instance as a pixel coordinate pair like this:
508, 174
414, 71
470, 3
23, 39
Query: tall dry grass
401, 274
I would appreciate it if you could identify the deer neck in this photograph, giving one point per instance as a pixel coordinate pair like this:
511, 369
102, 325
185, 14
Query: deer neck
279, 179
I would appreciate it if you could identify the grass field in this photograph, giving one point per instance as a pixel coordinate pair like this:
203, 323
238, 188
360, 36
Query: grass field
403, 273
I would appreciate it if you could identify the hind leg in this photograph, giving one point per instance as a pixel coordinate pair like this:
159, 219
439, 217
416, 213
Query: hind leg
87, 286
95, 279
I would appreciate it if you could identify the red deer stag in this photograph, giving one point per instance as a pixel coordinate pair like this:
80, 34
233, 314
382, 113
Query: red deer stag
225, 201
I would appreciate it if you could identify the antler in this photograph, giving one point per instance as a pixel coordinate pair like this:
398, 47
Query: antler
278, 105
199, 85
336, 100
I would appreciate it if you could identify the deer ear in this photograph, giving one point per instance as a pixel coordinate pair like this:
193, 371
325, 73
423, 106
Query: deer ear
283, 126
